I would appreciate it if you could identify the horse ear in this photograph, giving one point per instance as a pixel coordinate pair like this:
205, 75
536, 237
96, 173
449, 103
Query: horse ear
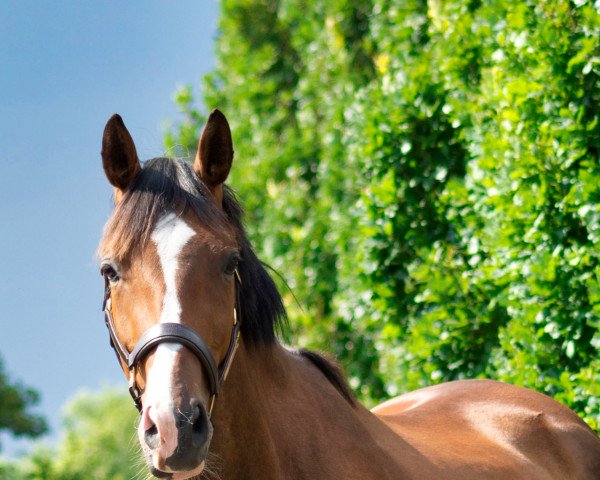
119, 157
215, 153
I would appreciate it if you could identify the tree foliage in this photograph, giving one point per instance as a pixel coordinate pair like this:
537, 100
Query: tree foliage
97, 441
426, 177
15, 402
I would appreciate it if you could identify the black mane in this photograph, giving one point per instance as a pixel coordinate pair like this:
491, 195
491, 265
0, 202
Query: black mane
332, 372
171, 185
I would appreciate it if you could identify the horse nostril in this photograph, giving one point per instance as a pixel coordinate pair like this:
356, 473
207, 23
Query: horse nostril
195, 412
152, 438
148, 424
200, 425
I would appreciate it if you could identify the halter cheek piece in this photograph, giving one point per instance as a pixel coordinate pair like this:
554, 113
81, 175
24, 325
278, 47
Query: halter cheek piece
174, 333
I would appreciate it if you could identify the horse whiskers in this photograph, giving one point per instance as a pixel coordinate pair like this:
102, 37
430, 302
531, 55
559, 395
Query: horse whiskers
143, 475
211, 469
139, 462
134, 441
188, 419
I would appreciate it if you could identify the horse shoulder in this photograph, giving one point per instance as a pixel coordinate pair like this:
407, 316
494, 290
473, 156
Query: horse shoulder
482, 423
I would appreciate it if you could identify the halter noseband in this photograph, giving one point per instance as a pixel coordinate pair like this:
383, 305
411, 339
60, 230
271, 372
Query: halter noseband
174, 333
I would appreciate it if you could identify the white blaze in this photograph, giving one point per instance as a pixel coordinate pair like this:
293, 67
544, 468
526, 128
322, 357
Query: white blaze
170, 235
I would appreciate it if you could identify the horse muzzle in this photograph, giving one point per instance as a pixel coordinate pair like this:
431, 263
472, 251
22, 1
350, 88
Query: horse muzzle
175, 439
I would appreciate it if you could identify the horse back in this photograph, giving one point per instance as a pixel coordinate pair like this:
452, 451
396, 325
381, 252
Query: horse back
489, 429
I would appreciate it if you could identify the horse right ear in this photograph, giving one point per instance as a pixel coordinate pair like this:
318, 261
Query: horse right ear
119, 157
215, 154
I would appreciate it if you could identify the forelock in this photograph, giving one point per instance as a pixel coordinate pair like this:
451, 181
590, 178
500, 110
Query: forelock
163, 186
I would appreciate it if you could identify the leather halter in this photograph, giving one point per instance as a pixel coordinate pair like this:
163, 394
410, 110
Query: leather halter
174, 333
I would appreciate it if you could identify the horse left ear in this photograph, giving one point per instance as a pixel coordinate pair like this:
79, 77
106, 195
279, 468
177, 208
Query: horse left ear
215, 153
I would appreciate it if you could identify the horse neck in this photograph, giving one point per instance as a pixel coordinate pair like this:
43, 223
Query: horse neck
279, 417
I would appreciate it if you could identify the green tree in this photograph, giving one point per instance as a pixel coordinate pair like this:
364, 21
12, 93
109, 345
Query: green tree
98, 440
426, 176
15, 402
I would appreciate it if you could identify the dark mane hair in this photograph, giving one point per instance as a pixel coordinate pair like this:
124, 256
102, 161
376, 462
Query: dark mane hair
166, 184
332, 371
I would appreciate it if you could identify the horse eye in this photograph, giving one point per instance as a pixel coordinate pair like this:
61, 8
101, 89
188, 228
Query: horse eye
109, 272
232, 263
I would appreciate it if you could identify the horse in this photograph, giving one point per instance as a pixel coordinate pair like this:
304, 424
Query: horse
192, 315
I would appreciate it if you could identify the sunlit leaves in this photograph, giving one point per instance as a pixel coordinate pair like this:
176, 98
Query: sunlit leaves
425, 176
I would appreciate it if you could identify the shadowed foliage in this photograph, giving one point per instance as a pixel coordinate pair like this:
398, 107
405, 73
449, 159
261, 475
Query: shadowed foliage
15, 402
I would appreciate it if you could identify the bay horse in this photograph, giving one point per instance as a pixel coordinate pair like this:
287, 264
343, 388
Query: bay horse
192, 315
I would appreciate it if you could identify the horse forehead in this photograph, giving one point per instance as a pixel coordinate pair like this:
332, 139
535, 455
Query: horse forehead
171, 233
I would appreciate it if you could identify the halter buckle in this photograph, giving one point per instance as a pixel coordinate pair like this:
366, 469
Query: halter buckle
134, 391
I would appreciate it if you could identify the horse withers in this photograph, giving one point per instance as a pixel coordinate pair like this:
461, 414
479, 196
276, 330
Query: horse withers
192, 315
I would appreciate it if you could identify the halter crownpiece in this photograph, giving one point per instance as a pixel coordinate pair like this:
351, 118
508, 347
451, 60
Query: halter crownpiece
174, 333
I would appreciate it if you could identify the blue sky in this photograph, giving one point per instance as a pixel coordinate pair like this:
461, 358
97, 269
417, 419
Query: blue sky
66, 67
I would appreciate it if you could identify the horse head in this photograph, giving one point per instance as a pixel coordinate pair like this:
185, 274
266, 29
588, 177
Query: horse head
171, 256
